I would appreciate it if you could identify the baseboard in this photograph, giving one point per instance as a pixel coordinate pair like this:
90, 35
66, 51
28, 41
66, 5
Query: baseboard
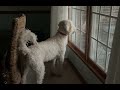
79, 75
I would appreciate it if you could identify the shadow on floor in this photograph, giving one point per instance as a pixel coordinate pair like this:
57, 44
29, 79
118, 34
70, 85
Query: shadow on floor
69, 76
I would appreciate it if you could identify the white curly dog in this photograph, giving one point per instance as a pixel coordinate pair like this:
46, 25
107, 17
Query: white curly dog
34, 53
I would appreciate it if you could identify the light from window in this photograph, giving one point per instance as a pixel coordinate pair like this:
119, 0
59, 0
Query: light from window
103, 21
102, 32
78, 15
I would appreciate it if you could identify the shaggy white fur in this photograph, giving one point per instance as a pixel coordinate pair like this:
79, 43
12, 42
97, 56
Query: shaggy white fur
37, 53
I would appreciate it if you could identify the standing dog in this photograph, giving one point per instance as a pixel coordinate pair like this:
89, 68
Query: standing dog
36, 53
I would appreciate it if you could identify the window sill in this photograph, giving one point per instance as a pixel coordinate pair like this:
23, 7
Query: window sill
90, 64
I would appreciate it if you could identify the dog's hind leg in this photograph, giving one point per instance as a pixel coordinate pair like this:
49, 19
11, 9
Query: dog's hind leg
54, 61
40, 72
23, 80
53, 66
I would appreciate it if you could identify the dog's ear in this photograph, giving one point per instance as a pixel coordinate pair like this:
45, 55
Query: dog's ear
59, 24
72, 27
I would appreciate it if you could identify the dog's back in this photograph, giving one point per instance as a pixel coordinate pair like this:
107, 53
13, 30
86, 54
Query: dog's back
52, 47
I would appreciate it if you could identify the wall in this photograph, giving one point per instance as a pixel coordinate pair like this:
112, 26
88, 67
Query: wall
58, 13
38, 21
5, 27
40, 24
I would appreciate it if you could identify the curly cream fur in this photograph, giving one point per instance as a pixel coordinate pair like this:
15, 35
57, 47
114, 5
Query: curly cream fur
40, 52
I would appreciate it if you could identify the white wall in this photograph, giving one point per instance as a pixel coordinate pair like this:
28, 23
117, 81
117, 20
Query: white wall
58, 13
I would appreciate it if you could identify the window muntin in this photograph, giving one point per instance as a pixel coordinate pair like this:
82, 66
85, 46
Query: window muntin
78, 15
103, 21
103, 27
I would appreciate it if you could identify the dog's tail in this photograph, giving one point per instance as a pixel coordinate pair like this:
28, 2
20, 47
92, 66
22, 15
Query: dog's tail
26, 39
24, 49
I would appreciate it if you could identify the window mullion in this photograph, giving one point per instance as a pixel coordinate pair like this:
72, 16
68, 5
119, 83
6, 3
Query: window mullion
98, 34
88, 31
69, 14
108, 36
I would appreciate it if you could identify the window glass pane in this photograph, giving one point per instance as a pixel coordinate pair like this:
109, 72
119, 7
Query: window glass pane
82, 41
108, 57
110, 40
78, 7
70, 38
83, 21
74, 6
111, 32
78, 15
83, 7
70, 13
105, 10
73, 16
74, 37
78, 38
103, 29
93, 48
115, 10
95, 22
101, 55
96, 9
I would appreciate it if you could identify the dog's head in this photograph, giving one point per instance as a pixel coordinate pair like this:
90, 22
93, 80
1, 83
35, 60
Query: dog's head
66, 27
28, 38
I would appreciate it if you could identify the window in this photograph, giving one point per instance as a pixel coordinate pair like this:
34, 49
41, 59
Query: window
78, 16
93, 38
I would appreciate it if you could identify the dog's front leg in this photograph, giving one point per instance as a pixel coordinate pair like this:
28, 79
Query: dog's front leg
53, 67
60, 62
23, 80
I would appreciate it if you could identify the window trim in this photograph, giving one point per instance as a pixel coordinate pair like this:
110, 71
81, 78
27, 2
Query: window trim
85, 57
90, 64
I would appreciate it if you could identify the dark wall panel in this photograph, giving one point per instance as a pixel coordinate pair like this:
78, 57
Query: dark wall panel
38, 22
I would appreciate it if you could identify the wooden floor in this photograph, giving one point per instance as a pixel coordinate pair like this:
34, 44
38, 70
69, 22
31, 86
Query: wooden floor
69, 76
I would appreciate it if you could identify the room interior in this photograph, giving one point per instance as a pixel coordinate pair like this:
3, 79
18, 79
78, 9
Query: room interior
92, 54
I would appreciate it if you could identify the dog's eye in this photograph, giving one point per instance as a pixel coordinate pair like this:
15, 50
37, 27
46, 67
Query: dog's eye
29, 43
